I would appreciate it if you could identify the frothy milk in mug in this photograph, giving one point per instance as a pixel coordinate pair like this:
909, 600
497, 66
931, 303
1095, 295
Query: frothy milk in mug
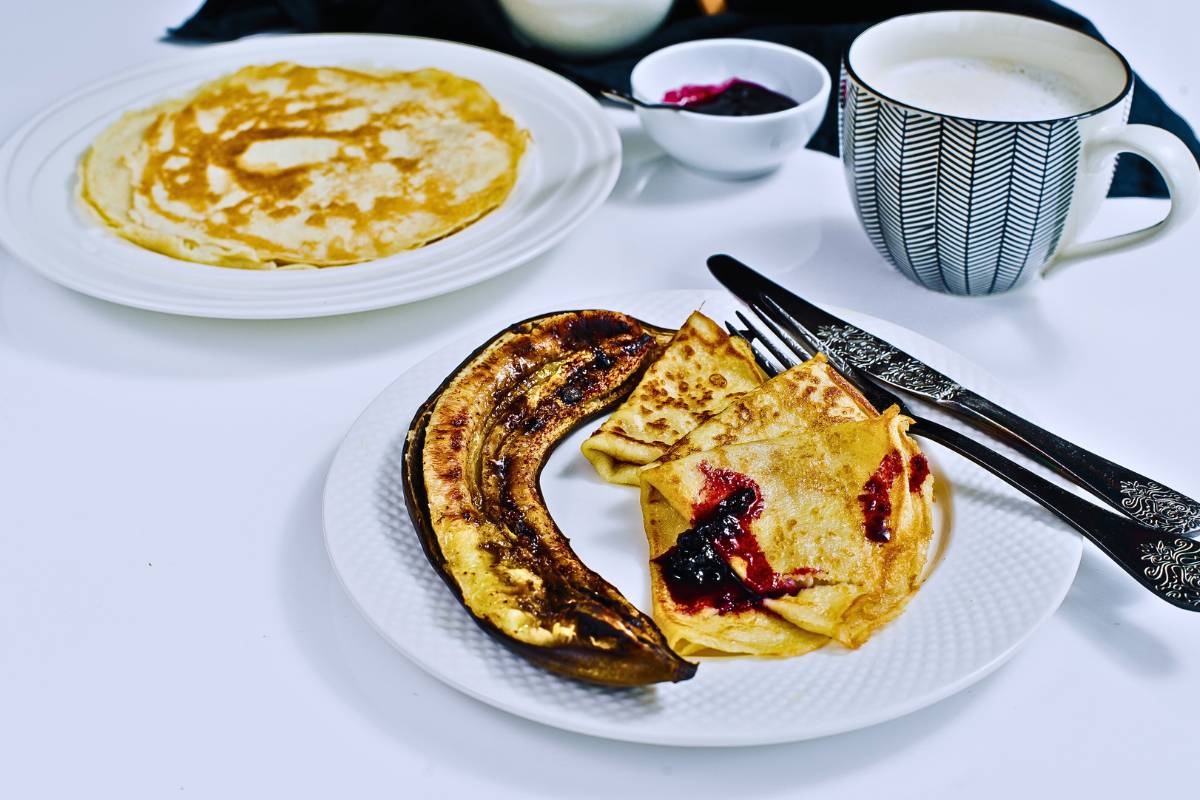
985, 89
979, 145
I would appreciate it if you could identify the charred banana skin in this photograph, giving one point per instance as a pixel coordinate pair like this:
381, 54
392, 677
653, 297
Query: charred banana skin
482, 439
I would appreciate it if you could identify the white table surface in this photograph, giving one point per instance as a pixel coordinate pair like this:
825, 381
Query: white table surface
169, 622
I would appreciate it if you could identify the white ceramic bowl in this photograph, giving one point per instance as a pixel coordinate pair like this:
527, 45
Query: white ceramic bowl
585, 27
732, 147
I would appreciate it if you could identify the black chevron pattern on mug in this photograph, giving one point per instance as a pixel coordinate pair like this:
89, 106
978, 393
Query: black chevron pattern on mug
960, 206
858, 154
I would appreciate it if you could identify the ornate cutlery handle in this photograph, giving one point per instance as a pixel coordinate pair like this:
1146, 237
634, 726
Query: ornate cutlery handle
1166, 564
1135, 495
1131, 493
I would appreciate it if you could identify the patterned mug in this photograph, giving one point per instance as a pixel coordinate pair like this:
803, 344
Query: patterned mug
976, 203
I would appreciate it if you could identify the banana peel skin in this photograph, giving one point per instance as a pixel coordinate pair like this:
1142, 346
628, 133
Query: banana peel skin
471, 467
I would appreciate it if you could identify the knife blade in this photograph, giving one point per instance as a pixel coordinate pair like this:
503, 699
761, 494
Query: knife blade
1147, 501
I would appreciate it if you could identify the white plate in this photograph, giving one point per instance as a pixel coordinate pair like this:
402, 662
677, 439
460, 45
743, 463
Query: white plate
1004, 566
569, 169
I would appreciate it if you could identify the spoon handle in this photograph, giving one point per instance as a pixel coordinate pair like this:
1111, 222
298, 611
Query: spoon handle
595, 87
603, 90
617, 96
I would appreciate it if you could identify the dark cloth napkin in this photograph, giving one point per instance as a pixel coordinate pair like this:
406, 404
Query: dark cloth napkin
818, 29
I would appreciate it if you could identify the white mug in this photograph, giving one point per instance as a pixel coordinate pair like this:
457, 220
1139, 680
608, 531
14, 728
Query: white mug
977, 205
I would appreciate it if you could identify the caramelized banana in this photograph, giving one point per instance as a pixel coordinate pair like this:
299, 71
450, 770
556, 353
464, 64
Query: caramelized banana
471, 465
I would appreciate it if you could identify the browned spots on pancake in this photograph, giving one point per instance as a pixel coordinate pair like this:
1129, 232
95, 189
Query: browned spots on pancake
220, 123
638, 440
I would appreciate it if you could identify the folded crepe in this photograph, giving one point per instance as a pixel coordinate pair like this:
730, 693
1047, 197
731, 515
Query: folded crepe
722, 621
796, 515
811, 395
701, 370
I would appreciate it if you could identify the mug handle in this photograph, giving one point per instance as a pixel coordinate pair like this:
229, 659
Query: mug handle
1173, 160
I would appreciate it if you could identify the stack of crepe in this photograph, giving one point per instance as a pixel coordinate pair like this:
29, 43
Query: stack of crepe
835, 541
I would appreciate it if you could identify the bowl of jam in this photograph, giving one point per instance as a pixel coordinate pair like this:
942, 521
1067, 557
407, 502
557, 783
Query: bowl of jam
744, 105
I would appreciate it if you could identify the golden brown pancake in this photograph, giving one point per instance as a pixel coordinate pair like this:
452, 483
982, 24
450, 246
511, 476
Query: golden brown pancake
810, 395
701, 371
806, 559
290, 165
703, 629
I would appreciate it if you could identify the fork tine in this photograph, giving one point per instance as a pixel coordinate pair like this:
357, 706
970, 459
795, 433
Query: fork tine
794, 336
768, 366
763, 360
783, 358
798, 338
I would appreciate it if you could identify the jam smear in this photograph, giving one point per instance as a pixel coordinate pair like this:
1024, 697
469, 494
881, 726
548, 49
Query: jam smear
696, 570
918, 471
875, 500
732, 98
719, 484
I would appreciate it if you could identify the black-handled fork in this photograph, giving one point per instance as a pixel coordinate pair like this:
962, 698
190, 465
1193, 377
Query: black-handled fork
1166, 564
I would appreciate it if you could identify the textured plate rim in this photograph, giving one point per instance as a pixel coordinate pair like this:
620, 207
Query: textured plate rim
23, 247
462, 345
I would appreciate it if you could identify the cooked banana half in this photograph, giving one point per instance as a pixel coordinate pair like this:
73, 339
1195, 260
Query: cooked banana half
471, 465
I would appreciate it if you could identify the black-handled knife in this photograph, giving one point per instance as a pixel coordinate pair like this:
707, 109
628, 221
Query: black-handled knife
1144, 500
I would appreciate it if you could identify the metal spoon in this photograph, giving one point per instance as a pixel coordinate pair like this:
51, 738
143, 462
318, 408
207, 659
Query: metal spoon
616, 95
